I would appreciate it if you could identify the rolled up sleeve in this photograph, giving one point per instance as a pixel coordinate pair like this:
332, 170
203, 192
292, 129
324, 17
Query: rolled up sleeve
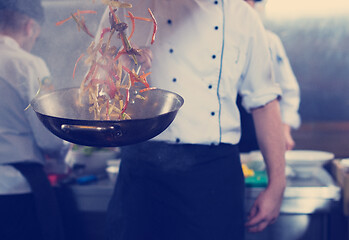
257, 85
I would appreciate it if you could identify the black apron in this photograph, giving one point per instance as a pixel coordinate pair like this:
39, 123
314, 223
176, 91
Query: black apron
47, 208
178, 192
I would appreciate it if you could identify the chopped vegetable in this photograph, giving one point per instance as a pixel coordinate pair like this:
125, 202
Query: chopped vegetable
154, 24
117, 4
109, 82
80, 20
146, 89
76, 64
133, 24
75, 14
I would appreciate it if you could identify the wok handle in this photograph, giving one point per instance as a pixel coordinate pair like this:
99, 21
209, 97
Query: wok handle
114, 130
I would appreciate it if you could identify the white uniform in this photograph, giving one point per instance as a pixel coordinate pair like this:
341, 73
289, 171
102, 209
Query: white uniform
221, 52
22, 136
206, 51
284, 75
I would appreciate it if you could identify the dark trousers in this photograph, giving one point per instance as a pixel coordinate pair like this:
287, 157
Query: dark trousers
18, 218
36, 213
178, 192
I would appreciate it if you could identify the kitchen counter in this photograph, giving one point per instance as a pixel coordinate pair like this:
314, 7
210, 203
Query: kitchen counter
309, 210
305, 195
319, 189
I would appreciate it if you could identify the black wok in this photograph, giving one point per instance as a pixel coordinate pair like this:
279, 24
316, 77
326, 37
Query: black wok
62, 114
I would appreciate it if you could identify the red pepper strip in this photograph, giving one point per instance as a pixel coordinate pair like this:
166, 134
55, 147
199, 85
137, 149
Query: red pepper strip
121, 52
141, 18
76, 63
143, 78
135, 78
77, 13
155, 26
127, 100
133, 24
146, 89
132, 76
104, 31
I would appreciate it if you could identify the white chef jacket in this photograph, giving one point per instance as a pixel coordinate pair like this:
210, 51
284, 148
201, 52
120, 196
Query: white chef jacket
22, 136
206, 51
289, 103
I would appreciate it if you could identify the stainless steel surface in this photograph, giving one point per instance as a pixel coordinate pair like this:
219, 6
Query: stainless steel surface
317, 47
68, 118
305, 212
302, 196
305, 195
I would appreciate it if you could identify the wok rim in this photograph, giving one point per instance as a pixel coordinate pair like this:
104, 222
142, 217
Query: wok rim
104, 121
90, 121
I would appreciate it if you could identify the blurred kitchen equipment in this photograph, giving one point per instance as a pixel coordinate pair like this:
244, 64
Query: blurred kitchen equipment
305, 162
113, 169
89, 160
63, 114
253, 160
340, 170
302, 162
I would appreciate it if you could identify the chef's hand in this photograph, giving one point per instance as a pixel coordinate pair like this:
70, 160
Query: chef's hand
266, 208
288, 137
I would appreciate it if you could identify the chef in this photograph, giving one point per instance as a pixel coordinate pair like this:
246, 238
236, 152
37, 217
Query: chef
187, 183
289, 103
28, 208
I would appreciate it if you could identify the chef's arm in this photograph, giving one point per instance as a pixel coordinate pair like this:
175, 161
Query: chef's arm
270, 136
269, 130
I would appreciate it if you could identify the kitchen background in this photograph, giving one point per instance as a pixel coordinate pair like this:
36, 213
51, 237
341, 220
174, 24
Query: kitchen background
316, 37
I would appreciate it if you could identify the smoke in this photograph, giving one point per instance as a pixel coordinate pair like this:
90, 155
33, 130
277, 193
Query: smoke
60, 46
